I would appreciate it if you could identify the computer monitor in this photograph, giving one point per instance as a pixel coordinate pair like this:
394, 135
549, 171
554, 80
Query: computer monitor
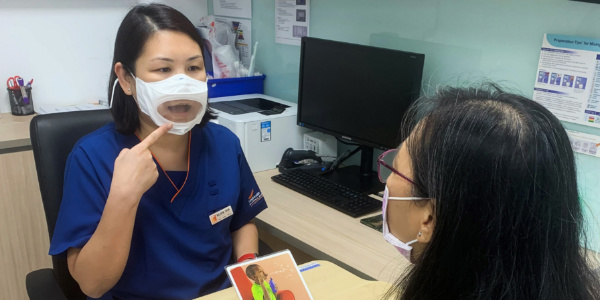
359, 94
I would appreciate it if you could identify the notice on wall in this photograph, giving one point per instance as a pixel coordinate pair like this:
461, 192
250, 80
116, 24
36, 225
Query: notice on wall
584, 143
568, 78
233, 8
291, 21
243, 37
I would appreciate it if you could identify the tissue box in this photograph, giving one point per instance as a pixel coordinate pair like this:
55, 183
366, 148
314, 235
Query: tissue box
236, 86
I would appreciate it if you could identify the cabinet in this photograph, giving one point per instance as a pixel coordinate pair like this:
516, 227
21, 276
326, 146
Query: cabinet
24, 238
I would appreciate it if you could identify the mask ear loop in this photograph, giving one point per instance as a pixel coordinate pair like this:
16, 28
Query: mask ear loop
113, 91
112, 96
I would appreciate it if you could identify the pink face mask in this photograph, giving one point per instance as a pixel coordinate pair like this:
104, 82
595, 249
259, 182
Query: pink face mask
404, 248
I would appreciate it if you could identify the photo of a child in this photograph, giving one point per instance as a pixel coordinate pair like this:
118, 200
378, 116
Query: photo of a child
262, 289
273, 277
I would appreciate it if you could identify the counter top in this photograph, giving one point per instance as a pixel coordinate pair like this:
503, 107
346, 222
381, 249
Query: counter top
325, 233
14, 132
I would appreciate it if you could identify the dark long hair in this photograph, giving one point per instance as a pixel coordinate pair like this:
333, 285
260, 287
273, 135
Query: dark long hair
137, 27
508, 222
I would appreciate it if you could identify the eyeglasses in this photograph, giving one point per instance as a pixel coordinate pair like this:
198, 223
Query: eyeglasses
384, 166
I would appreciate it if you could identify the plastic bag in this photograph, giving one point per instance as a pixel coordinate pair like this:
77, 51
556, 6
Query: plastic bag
224, 60
220, 39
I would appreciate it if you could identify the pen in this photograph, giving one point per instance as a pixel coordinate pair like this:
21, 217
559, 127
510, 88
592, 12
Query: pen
17, 106
21, 84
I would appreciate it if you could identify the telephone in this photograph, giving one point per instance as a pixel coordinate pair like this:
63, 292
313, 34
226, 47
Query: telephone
306, 160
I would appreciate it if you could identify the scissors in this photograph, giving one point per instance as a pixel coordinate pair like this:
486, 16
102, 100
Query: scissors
13, 82
16, 83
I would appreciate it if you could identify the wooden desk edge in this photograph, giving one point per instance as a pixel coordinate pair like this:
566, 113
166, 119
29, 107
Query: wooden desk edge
15, 146
22, 142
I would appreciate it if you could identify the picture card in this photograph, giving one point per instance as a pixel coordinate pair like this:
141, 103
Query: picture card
275, 274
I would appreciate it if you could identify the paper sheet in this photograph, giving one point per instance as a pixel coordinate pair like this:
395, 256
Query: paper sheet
42, 110
233, 8
291, 21
584, 143
568, 78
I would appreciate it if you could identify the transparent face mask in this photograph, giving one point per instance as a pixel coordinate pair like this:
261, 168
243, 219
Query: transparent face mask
180, 111
179, 99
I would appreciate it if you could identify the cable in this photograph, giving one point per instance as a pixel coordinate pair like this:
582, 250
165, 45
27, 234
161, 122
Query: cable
347, 154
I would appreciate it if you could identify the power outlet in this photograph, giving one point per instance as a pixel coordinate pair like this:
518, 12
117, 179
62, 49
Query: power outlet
311, 143
323, 144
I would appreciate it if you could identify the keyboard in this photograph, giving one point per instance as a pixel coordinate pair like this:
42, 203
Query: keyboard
329, 193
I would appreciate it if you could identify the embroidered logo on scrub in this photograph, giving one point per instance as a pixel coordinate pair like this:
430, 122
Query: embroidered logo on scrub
221, 215
253, 198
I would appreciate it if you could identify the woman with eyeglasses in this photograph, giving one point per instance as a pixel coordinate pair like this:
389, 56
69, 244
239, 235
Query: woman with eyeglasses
482, 198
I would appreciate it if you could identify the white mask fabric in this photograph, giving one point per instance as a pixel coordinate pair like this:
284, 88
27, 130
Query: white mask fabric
404, 248
179, 99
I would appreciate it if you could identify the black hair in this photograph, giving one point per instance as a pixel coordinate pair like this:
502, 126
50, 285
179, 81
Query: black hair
500, 171
137, 27
251, 270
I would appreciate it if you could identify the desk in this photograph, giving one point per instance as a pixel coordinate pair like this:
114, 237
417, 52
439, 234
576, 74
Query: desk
326, 233
14, 131
24, 243
327, 281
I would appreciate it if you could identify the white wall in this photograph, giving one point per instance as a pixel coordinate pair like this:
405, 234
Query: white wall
66, 45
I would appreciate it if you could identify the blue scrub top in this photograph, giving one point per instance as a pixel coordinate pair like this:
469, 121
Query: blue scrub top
175, 251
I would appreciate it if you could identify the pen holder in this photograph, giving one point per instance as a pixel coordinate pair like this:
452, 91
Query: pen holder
18, 106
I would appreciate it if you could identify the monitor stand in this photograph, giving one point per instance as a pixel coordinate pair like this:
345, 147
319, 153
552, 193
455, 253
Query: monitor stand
360, 178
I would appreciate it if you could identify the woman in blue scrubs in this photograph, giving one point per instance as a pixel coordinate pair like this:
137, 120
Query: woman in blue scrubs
158, 202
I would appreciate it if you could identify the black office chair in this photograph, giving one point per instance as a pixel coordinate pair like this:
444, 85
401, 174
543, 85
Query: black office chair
52, 138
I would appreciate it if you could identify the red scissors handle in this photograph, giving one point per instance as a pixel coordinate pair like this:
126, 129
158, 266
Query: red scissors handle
11, 83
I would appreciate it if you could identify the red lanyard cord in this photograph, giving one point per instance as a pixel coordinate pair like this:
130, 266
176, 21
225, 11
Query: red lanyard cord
165, 172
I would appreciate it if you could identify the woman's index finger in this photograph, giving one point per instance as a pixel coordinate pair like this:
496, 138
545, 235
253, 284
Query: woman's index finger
154, 136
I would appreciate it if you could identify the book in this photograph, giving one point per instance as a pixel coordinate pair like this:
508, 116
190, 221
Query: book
276, 273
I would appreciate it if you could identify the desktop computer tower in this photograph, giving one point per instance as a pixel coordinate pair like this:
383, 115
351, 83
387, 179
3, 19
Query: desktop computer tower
265, 132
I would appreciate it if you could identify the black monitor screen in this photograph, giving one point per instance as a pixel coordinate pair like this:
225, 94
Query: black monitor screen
358, 93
